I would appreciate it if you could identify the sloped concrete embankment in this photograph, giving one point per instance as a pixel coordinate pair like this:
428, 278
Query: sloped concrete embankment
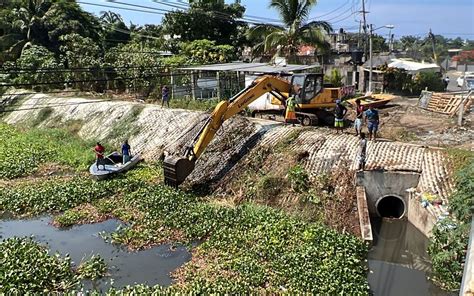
152, 130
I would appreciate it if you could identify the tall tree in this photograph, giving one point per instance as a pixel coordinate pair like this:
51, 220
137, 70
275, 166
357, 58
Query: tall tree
295, 31
211, 20
42, 22
26, 25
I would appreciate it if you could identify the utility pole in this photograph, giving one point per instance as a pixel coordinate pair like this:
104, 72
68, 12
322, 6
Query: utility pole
358, 36
432, 37
364, 12
370, 59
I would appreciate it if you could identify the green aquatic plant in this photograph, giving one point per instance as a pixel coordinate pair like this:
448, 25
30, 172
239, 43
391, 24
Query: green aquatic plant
26, 266
92, 269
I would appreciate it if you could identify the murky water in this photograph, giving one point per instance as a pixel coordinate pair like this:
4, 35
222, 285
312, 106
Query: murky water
399, 263
151, 266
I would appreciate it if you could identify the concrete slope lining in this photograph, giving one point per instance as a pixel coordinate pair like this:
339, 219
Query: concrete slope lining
158, 130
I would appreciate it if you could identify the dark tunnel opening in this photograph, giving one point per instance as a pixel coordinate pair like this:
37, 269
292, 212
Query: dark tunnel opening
390, 207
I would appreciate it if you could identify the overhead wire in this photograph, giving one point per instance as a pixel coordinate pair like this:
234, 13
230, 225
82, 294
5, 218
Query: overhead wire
219, 15
245, 16
331, 12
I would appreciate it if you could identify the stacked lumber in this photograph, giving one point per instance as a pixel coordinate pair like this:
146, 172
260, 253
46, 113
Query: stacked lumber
444, 103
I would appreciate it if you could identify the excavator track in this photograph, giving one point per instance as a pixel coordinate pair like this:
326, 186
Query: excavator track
176, 169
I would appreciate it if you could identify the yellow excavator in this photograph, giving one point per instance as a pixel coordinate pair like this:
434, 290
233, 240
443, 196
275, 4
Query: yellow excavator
311, 99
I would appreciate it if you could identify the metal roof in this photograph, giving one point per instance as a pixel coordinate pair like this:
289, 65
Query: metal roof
251, 67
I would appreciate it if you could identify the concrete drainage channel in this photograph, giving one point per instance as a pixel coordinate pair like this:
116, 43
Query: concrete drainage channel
398, 253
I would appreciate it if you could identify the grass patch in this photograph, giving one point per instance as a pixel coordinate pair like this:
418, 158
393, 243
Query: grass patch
190, 104
21, 152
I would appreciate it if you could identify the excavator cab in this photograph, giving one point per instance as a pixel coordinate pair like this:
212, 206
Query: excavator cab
306, 86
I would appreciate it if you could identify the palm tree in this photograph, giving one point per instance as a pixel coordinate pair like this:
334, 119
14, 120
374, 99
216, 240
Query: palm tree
115, 30
27, 26
286, 40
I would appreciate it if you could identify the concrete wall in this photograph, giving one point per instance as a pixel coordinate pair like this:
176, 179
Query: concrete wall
381, 183
419, 216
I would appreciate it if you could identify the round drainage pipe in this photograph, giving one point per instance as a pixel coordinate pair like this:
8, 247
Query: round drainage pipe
390, 206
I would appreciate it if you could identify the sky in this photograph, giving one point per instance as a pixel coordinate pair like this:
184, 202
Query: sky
451, 18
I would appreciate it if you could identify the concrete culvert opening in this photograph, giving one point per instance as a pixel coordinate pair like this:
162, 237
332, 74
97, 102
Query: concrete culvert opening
390, 206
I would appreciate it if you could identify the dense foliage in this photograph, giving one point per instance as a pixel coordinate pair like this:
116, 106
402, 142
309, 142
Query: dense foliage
399, 81
249, 247
450, 236
212, 20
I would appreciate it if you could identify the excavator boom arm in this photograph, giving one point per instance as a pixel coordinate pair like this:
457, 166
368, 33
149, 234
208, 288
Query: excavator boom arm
176, 169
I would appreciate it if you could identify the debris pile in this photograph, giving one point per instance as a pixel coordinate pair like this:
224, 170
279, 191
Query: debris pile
445, 103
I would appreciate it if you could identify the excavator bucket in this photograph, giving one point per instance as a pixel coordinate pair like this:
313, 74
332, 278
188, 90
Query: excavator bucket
176, 169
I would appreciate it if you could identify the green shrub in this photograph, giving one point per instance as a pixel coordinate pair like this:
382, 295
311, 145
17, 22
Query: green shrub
268, 187
335, 79
447, 249
430, 80
450, 238
190, 104
299, 179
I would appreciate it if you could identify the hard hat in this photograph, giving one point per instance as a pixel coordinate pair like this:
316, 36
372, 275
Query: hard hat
338, 101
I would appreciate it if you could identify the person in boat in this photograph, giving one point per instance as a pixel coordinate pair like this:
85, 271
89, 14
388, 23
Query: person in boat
99, 155
126, 152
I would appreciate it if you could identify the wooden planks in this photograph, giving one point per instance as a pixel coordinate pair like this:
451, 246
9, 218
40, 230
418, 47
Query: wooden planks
444, 103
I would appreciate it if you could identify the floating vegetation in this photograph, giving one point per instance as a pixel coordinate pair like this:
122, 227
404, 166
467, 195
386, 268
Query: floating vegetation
92, 269
26, 266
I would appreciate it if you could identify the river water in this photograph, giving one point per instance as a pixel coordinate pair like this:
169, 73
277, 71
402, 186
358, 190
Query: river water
152, 266
398, 261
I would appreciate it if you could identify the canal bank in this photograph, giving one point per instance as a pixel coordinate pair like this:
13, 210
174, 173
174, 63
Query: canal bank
321, 151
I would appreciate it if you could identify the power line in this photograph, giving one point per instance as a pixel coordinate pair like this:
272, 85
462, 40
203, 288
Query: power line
220, 15
331, 12
246, 16
118, 7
